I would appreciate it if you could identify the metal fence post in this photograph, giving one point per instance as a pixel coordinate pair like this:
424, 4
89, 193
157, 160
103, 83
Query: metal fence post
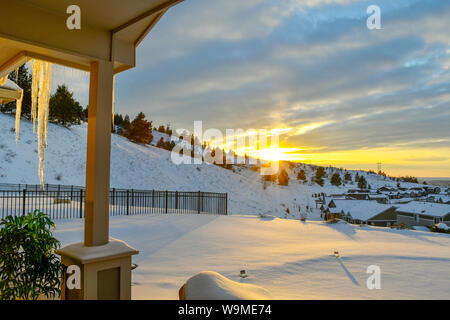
198, 203
24, 199
176, 200
167, 194
81, 203
226, 203
113, 198
128, 202
153, 198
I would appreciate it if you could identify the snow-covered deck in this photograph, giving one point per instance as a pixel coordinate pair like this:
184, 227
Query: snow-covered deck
293, 260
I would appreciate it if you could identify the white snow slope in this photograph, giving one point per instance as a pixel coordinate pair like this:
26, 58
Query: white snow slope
291, 259
147, 167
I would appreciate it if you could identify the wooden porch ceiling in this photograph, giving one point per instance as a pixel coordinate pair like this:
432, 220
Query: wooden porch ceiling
110, 30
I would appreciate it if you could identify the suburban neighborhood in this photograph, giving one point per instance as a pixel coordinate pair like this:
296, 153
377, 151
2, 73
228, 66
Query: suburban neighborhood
389, 206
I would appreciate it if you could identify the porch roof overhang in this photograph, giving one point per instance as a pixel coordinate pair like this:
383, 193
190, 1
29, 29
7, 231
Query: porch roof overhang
110, 30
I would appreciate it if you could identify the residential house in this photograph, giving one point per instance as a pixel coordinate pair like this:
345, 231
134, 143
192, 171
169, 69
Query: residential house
372, 213
419, 213
380, 198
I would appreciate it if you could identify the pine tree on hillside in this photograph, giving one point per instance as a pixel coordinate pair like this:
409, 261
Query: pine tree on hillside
348, 177
362, 183
160, 143
63, 108
169, 131
320, 172
283, 178
85, 114
336, 179
126, 121
301, 175
161, 129
139, 130
319, 181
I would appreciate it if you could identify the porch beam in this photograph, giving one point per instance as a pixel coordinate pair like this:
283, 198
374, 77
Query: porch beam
12, 64
149, 27
146, 14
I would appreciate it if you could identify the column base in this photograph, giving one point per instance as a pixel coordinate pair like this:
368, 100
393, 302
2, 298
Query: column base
105, 271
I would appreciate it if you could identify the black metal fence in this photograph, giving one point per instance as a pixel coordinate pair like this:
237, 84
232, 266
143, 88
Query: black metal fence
67, 202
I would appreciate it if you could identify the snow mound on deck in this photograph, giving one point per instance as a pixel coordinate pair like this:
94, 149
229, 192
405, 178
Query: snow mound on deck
209, 285
442, 226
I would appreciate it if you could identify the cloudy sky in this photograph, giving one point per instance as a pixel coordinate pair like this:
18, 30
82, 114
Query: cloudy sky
344, 95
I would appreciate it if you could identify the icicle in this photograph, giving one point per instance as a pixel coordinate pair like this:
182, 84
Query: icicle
36, 69
3, 80
44, 82
40, 98
18, 113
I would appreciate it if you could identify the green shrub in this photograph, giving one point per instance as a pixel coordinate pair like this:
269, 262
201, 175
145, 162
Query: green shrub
29, 267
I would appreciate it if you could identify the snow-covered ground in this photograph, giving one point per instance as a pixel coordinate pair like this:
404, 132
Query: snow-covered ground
147, 167
291, 259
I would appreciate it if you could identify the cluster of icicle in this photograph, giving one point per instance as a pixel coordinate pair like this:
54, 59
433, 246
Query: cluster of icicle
40, 98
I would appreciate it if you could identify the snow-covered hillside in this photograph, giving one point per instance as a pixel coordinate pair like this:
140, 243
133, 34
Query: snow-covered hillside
147, 167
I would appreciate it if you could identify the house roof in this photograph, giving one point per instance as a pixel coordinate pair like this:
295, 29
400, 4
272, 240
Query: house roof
359, 209
346, 204
425, 208
328, 199
367, 210
377, 196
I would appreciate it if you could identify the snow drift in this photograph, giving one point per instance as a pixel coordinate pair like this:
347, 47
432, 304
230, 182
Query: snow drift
209, 285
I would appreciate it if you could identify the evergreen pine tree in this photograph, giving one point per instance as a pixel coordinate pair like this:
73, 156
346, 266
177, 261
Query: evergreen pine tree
63, 108
348, 177
139, 130
301, 175
362, 183
336, 179
283, 178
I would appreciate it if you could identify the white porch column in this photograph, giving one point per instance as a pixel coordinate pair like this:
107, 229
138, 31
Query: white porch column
105, 263
96, 225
